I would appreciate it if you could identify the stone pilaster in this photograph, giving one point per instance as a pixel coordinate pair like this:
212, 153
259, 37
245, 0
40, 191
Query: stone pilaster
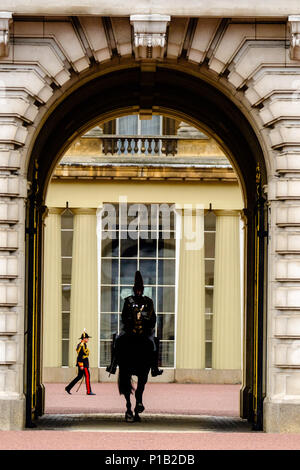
226, 351
190, 335
84, 298
52, 319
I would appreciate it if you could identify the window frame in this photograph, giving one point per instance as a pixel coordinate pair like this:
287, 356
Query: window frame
209, 342
65, 361
156, 286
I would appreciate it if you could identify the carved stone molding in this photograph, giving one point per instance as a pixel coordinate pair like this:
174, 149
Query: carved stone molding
5, 20
294, 33
149, 35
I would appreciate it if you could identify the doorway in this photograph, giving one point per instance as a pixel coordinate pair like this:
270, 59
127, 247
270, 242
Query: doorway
177, 95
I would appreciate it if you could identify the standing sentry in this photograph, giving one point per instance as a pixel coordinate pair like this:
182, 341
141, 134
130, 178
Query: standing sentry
82, 363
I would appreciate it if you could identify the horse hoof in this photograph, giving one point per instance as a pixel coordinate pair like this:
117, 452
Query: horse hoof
129, 418
139, 408
137, 419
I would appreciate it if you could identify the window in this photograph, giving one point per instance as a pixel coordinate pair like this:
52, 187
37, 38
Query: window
145, 242
66, 268
209, 260
133, 125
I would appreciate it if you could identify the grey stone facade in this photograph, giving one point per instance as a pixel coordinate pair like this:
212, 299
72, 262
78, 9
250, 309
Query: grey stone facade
255, 64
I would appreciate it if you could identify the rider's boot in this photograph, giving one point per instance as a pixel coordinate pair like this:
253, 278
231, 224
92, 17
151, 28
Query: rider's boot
113, 363
112, 367
155, 371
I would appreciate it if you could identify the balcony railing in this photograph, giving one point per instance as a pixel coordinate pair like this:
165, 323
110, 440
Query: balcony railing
137, 145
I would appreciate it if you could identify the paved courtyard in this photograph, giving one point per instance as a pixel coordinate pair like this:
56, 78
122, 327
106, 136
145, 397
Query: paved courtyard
159, 398
177, 417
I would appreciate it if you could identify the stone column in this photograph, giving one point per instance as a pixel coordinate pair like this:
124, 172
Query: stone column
52, 320
190, 345
84, 306
226, 350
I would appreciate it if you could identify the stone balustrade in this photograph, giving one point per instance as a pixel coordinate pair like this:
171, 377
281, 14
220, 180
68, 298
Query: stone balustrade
133, 144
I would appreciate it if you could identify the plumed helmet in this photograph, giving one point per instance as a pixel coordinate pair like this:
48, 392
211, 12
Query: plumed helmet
138, 282
84, 335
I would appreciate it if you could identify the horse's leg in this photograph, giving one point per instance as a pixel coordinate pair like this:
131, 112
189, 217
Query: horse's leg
128, 402
139, 407
125, 388
128, 414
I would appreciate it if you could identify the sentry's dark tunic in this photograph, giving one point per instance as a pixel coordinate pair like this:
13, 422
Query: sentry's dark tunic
138, 315
82, 355
82, 361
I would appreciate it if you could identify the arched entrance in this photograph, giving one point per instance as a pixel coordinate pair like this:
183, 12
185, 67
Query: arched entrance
173, 93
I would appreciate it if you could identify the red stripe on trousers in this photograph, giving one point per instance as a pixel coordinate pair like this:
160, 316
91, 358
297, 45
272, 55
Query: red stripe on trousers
87, 380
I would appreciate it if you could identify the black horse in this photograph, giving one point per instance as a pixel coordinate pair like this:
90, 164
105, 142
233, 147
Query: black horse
135, 357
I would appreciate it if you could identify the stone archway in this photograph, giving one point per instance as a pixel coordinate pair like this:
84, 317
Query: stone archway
172, 93
249, 79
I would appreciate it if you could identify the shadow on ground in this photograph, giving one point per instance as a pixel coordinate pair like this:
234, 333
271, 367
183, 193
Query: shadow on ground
159, 423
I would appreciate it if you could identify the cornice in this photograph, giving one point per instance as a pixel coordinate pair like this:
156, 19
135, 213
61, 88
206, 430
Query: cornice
115, 173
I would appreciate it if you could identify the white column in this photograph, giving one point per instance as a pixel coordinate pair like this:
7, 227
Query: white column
84, 311
190, 345
227, 293
52, 319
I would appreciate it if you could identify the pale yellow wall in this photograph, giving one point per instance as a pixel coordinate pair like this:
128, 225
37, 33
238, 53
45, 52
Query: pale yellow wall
227, 292
84, 308
190, 321
52, 316
94, 193
192, 147
190, 331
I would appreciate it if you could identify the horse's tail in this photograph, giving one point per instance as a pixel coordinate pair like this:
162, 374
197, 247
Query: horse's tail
125, 383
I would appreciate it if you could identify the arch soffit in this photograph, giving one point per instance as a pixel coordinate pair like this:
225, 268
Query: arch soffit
166, 72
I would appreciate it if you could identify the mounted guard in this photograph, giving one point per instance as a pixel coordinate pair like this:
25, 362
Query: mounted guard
138, 318
135, 350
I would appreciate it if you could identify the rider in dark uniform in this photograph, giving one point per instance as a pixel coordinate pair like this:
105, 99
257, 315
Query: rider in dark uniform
138, 318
